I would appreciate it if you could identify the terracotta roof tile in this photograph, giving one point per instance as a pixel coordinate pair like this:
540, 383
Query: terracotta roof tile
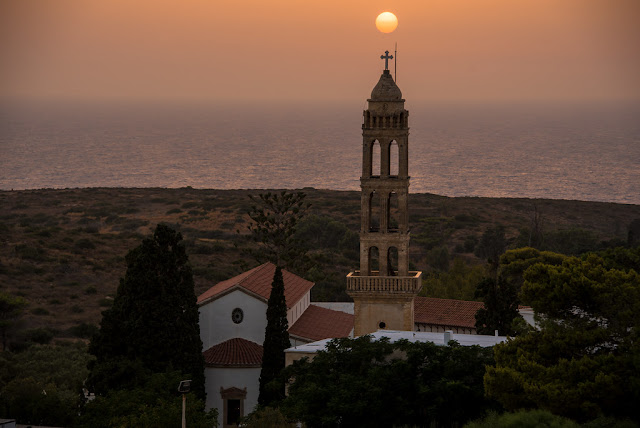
446, 312
236, 352
258, 281
318, 323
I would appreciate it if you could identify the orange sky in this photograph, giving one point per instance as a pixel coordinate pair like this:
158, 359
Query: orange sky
328, 50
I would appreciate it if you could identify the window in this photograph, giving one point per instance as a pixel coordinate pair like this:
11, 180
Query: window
237, 315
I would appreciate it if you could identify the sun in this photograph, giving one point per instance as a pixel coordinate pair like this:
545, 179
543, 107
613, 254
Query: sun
386, 22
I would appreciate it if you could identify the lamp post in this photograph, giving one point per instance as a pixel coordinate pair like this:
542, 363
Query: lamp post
184, 388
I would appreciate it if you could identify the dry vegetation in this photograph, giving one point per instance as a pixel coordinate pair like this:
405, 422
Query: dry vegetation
63, 250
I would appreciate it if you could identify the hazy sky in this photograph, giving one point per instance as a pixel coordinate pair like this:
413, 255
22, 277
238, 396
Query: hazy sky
328, 50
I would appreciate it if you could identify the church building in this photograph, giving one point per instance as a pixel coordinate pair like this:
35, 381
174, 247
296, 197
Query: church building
384, 292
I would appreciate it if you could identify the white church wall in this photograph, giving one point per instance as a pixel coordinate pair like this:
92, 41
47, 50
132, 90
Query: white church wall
216, 324
217, 377
296, 310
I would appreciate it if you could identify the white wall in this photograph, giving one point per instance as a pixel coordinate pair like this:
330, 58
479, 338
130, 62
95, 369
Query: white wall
216, 325
227, 378
296, 311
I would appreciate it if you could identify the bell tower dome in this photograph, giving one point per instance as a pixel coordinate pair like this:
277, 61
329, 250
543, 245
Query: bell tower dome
384, 289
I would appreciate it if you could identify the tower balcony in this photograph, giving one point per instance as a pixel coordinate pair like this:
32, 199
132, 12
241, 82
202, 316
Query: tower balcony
384, 284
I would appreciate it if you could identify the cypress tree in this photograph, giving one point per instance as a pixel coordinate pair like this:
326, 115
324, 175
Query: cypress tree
276, 340
152, 326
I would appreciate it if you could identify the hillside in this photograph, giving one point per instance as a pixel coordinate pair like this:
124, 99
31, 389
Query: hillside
63, 250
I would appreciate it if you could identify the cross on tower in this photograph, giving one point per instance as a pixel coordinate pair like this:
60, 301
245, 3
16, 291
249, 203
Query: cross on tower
386, 57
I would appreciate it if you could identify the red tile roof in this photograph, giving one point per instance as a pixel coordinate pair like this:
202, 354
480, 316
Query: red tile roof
236, 352
258, 281
446, 312
318, 323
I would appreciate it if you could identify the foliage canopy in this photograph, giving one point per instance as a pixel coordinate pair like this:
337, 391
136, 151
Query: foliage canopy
276, 340
152, 326
585, 359
360, 382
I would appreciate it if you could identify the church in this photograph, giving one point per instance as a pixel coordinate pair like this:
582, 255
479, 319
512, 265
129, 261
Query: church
384, 290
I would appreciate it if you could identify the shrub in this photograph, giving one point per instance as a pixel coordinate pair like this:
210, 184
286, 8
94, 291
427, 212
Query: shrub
84, 244
39, 311
106, 302
524, 419
39, 335
83, 330
75, 309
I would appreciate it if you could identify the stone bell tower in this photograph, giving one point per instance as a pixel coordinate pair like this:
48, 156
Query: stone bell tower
383, 290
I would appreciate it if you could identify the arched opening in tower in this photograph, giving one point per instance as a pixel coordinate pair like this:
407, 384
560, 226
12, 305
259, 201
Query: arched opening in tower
375, 159
374, 261
394, 159
392, 261
374, 212
393, 213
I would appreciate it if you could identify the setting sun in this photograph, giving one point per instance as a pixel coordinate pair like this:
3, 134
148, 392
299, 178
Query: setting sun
386, 22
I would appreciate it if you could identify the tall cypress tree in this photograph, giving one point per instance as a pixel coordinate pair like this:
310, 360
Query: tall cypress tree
276, 340
152, 326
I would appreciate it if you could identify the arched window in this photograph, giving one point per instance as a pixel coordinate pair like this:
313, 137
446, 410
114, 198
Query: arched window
392, 261
375, 158
374, 261
394, 213
394, 159
374, 212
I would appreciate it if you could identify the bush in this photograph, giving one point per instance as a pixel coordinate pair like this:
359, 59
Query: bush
75, 309
43, 336
266, 418
84, 244
39, 311
524, 419
84, 330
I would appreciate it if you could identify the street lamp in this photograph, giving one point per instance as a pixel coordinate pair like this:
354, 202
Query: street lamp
184, 388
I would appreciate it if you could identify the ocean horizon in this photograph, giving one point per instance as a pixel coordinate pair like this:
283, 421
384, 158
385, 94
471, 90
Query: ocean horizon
588, 151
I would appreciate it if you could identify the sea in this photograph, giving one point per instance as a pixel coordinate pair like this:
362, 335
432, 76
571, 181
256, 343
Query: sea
578, 151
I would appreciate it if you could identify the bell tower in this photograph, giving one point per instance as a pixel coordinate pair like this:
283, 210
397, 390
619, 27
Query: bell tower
383, 290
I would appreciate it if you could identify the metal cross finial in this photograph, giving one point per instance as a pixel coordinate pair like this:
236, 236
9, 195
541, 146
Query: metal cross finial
386, 57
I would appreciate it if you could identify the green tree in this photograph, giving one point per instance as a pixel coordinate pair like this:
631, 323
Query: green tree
275, 218
633, 235
492, 244
500, 307
513, 263
276, 340
585, 359
152, 326
458, 283
42, 384
11, 308
155, 403
529, 419
360, 382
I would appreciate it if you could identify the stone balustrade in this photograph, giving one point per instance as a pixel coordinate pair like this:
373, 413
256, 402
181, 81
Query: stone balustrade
389, 284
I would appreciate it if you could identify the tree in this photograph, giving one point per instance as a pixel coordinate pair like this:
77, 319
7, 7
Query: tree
633, 235
11, 308
276, 340
500, 307
492, 244
152, 404
42, 384
275, 218
361, 382
152, 326
458, 283
585, 359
